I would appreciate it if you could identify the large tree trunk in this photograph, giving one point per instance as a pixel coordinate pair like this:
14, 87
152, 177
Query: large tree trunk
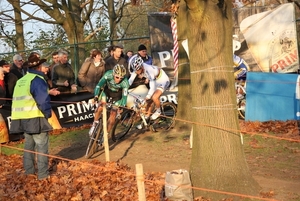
218, 160
184, 78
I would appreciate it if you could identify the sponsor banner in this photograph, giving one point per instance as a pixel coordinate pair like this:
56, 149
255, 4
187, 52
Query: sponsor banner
162, 41
71, 110
68, 110
268, 37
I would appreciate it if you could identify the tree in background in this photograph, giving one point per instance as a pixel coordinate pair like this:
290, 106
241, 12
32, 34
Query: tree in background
81, 21
18, 40
72, 15
134, 21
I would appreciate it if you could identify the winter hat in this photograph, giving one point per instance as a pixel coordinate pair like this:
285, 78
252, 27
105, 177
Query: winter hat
34, 60
3, 63
142, 47
119, 45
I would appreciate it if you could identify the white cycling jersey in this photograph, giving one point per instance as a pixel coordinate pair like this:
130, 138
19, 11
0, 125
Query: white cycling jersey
157, 77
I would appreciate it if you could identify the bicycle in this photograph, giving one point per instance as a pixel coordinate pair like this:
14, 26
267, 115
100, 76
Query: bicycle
240, 88
97, 137
137, 113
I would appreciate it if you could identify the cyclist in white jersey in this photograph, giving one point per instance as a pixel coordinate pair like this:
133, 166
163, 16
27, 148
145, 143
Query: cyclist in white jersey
240, 68
158, 82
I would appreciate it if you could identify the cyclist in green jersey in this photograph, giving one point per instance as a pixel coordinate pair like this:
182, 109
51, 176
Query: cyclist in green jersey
115, 88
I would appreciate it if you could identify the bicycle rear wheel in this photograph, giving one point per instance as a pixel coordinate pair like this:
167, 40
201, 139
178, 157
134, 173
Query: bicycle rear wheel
95, 140
122, 125
166, 120
241, 105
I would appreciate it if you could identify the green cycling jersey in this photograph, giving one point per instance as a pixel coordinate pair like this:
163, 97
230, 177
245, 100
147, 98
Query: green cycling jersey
108, 81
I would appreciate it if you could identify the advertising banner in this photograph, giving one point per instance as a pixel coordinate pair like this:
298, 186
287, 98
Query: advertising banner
68, 110
268, 37
73, 110
162, 41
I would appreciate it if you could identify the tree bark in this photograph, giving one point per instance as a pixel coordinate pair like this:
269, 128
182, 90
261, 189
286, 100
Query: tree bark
218, 160
184, 78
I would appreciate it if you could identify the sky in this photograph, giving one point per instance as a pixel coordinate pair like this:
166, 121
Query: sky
32, 25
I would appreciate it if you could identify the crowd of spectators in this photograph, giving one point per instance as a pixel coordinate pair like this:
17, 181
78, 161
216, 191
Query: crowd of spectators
59, 74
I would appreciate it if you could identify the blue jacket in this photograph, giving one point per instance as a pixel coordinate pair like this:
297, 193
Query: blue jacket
39, 91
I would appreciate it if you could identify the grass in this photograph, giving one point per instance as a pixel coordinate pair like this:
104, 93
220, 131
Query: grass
56, 141
10, 151
273, 155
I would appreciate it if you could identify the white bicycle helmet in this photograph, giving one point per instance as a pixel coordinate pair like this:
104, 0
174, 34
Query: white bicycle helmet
137, 63
119, 70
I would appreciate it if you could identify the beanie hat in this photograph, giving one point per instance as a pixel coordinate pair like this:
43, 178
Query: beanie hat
3, 63
119, 45
142, 47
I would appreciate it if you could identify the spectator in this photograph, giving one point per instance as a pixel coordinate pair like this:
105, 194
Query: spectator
16, 72
55, 58
55, 61
5, 65
91, 53
45, 69
128, 55
30, 110
91, 71
63, 77
25, 64
9, 78
110, 52
122, 49
2, 88
115, 59
17, 66
142, 52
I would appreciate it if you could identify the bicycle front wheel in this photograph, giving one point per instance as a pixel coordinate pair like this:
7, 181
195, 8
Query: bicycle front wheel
166, 120
122, 125
95, 140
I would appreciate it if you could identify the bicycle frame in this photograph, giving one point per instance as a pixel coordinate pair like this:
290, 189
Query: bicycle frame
136, 113
138, 107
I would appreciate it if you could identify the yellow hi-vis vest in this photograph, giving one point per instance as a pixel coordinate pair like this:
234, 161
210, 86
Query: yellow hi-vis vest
23, 104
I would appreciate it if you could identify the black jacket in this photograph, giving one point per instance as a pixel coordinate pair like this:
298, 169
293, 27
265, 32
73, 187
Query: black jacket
2, 95
19, 72
10, 82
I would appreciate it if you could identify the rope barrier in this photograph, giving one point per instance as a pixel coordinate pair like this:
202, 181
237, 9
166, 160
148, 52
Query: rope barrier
138, 175
214, 69
177, 119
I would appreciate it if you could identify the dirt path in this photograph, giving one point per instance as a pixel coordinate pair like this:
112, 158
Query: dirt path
171, 151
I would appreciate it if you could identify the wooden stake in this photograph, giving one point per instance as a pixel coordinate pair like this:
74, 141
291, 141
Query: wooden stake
106, 146
140, 181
